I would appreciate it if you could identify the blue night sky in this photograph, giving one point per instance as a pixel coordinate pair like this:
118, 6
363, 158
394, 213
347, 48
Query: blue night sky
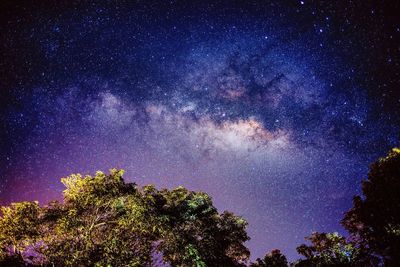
274, 108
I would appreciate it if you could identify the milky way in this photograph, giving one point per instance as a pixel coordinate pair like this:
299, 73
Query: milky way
274, 109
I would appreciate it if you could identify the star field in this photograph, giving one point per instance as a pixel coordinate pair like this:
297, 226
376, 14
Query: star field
274, 108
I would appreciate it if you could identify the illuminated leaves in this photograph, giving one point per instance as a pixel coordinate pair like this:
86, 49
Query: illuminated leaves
107, 222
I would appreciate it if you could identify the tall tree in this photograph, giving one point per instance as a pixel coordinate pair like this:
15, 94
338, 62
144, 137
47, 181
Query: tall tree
374, 219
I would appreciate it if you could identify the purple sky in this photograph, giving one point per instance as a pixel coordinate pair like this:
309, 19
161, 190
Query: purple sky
274, 110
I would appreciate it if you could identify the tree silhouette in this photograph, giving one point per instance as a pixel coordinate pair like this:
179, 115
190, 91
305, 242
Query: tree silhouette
374, 219
272, 259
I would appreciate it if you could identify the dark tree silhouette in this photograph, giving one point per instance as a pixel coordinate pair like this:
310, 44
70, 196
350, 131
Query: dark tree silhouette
374, 219
272, 259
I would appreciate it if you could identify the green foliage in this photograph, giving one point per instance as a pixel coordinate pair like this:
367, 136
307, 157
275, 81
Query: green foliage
104, 221
327, 249
374, 219
191, 224
192, 257
19, 227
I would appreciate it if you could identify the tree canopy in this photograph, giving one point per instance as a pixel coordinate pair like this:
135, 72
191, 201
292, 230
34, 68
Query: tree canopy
374, 219
272, 259
327, 249
104, 221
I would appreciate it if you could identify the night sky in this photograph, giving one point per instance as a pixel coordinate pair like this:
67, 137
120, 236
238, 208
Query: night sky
276, 109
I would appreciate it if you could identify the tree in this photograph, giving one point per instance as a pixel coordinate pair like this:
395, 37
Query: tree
374, 219
194, 233
272, 259
104, 221
19, 225
327, 249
